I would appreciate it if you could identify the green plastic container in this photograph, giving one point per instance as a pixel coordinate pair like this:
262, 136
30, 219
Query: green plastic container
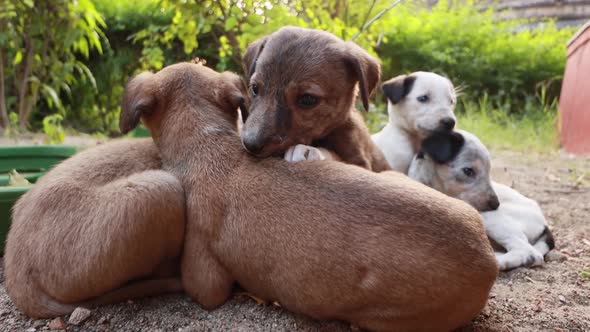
8, 196
140, 131
31, 161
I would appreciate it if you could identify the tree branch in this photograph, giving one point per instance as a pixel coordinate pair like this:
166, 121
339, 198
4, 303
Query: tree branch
374, 19
3, 113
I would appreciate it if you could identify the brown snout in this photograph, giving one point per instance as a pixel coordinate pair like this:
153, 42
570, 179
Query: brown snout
259, 143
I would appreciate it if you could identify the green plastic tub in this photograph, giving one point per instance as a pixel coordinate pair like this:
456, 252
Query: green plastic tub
30, 161
140, 131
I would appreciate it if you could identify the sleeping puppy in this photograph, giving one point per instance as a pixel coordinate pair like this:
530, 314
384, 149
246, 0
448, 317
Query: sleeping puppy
418, 104
325, 239
458, 164
104, 226
303, 85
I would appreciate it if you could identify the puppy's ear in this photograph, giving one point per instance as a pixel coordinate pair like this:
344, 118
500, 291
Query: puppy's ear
443, 147
398, 87
251, 56
366, 69
139, 98
237, 94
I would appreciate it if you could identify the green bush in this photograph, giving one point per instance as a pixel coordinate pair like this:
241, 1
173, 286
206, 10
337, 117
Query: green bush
476, 51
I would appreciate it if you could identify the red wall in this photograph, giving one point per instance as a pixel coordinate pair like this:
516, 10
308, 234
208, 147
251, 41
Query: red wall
574, 103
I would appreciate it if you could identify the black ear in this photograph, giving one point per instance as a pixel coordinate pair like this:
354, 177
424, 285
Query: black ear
366, 69
251, 56
139, 98
398, 87
443, 147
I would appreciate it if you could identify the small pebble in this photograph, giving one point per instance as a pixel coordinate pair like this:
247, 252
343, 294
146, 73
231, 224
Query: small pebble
103, 320
555, 256
79, 316
57, 324
562, 299
38, 324
31, 329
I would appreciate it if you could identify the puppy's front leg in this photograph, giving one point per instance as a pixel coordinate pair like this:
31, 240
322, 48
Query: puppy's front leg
203, 277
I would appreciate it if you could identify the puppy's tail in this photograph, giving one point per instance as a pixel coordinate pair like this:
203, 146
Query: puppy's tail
48, 307
545, 242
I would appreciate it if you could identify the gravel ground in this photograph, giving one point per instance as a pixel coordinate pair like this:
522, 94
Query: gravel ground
555, 297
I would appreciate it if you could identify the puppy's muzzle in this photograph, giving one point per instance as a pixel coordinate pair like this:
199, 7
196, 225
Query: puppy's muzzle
252, 143
493, 203
447, 124
260, 145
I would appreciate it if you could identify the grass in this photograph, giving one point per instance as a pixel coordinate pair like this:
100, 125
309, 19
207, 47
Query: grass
533, 130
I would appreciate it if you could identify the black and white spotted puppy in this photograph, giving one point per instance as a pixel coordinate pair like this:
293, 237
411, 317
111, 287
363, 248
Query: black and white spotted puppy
458, 164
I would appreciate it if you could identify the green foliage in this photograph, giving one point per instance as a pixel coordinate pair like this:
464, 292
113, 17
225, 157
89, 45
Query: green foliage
54, 132
510, 76
42, 38
475, 50
220, 30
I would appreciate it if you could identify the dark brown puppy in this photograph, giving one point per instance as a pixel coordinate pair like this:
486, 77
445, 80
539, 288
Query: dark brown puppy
91, 227
322, 238
303, 85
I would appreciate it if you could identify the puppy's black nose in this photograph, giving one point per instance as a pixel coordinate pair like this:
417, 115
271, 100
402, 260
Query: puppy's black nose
252, 144
493, 203
447, 123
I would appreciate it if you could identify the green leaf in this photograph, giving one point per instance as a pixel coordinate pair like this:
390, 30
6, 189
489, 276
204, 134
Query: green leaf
52, 94
231, 23
18, 57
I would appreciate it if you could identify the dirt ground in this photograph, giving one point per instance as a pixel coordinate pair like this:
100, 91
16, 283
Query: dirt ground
555, 297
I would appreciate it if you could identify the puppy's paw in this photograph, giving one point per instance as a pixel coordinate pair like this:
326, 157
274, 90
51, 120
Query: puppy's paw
518, 258
302, 152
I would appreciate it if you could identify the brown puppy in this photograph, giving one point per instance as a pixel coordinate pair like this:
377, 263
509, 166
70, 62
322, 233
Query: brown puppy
95, 223
323, 238
303, 86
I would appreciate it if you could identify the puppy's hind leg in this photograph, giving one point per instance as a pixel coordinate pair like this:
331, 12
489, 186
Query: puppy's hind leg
545, 242
203, 277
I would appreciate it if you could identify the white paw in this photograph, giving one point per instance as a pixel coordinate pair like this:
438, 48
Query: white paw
302, 152
518, 258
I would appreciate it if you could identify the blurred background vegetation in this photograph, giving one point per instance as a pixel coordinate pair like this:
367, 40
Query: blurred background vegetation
65, 63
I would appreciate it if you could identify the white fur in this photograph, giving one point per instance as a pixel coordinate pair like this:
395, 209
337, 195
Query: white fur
516, 225
410, 121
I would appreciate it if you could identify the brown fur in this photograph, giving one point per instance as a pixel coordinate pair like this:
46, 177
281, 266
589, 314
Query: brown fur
294, 61
93, 226
323, 238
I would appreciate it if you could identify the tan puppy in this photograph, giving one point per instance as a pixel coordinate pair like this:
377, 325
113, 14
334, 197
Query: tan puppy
92, 225
326, 239
303, 84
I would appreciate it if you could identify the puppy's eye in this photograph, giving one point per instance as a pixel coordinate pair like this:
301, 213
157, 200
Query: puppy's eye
254, 89
468, 171
307, 101
423, 98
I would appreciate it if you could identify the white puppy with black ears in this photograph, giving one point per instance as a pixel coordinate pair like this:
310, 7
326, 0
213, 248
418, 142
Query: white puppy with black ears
418, 104
458, 164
